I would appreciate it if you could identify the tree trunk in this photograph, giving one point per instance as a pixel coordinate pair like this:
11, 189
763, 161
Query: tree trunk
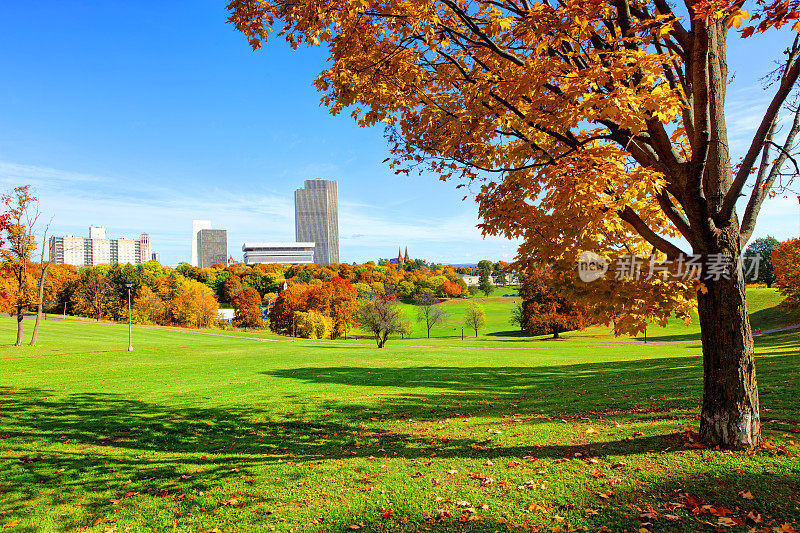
730, 416
555, 332
35, 334
20, 318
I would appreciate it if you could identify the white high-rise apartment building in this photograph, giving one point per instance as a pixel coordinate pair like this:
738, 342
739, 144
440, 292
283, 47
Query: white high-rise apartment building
197, 226
98, 249
316, 219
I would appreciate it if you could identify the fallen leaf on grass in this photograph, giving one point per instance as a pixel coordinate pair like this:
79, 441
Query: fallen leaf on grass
98, 522
606, 494
591, 431
250, 480
435, 481
12, 523
537, 508
785, 528
387, 514
592, 511
59, 470
746, 494
452, 472
671, 517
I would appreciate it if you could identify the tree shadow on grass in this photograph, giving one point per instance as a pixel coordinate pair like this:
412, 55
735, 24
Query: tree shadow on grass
110, 437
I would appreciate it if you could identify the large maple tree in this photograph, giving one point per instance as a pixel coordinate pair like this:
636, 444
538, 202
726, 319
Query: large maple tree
585, 125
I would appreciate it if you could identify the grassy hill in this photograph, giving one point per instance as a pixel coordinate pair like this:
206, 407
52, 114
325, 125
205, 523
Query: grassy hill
217, 432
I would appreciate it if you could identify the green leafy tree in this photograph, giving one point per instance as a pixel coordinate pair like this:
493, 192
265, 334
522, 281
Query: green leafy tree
518, 316
474, 317
381, 317
761, 250
485, 283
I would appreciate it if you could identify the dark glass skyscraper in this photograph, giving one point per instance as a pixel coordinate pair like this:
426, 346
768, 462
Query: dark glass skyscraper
316, 219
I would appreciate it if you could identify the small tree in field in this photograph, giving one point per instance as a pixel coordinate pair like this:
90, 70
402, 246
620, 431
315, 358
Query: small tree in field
429, 311
474, 317
761, 250
22, 212
381, 317
247, 309
44, 267
786, 259
485, 283
546, 309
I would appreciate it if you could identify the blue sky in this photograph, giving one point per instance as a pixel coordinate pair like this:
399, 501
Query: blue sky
141, 116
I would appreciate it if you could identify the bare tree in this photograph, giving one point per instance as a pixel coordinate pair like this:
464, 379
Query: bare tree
42, 277
381, 317
429, 312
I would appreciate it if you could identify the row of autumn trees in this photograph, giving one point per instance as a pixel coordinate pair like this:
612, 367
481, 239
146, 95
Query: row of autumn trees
404, 282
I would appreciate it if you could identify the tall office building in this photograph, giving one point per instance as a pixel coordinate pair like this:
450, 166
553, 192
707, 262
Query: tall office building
316, 219
97, 249
197, 225
212, 247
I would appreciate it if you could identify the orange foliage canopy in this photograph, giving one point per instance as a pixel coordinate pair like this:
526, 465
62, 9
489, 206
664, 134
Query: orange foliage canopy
786, 267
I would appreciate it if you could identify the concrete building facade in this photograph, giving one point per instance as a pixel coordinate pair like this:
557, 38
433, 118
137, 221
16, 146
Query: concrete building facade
316, 218
212, 247
287, 253
97, 249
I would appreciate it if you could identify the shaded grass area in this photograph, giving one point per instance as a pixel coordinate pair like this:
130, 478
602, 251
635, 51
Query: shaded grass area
195, 432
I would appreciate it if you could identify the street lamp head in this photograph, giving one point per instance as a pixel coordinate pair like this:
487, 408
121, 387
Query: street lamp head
129, 285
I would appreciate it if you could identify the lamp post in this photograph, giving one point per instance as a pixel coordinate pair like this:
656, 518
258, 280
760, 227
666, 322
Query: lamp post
130, 327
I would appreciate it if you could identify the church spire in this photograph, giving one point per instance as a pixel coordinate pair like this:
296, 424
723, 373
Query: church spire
405, 259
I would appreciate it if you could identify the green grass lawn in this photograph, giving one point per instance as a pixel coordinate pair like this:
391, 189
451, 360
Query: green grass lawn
195, 432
